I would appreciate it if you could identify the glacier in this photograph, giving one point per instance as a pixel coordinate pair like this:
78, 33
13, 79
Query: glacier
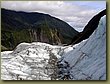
41, 61
88, 60
32, 61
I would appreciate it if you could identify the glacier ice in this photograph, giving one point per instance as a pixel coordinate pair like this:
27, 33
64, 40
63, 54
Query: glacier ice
31, 61
88, 60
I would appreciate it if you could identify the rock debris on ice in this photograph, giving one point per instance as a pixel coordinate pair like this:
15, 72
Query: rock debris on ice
31, 61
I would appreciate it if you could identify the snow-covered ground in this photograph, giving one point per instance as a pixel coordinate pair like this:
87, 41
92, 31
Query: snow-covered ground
41, 61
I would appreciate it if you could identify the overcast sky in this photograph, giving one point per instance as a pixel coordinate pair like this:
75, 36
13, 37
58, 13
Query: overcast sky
75, 13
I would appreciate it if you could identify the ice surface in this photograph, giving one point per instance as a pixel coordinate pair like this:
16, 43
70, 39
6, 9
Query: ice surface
31, 61
88, 60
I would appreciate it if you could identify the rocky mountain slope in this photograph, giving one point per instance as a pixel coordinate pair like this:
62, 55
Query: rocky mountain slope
18, 26
41, 61
89, 28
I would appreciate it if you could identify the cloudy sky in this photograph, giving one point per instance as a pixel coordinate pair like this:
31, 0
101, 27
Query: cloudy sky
75, 13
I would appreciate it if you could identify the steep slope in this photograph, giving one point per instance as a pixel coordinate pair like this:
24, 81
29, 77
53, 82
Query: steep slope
17, 27
88, 59
89, 28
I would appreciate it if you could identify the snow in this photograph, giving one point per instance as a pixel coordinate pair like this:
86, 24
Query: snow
41, 61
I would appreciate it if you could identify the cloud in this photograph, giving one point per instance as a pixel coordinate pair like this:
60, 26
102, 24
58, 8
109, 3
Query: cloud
75, 13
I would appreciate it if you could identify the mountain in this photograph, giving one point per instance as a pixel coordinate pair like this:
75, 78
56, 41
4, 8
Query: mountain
18, 26
89, 28
41, 61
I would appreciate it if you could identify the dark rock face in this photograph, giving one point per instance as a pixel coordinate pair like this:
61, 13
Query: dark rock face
89, 28
17, 27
